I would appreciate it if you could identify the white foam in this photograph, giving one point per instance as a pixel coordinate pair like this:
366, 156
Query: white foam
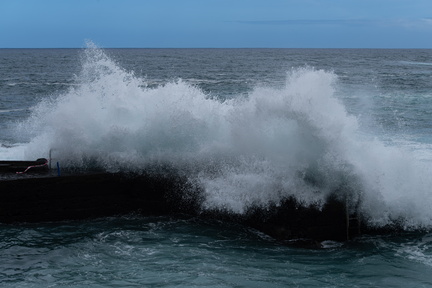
297, 140
417, 251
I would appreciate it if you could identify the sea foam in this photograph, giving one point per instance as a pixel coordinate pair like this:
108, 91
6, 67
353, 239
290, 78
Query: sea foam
251, 150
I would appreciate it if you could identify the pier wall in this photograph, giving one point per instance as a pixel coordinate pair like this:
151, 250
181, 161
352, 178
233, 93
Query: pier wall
84, 196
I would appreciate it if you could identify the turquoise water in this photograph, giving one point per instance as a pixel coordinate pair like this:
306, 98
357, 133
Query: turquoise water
251, 126
163, 252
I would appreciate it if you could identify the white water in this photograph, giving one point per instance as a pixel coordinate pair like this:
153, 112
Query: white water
254, 150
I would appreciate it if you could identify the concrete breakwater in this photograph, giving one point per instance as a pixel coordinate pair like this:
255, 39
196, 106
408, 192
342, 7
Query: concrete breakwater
74, 196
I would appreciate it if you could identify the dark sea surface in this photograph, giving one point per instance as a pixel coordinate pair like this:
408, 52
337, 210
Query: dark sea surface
250, 126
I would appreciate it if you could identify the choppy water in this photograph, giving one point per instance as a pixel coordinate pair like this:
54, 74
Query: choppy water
163, 252
251, 126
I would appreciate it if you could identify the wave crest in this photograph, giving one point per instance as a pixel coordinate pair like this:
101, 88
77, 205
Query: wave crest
275, 143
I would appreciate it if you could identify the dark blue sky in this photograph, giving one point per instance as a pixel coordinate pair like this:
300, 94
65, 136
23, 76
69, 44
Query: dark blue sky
216, 23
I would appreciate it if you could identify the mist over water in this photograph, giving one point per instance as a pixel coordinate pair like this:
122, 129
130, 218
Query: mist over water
296, 139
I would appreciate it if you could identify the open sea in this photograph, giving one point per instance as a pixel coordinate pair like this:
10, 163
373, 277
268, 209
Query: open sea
250, 126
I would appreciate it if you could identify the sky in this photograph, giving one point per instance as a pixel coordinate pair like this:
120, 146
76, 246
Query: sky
216, 23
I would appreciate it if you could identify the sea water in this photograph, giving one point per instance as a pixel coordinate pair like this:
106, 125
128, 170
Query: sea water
249, 126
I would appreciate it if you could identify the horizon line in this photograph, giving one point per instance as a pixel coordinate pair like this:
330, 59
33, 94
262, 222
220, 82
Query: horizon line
396, 48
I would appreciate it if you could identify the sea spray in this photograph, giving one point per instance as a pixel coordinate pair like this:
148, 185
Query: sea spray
274, 143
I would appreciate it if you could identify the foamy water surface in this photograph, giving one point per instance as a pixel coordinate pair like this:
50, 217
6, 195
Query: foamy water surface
251, 127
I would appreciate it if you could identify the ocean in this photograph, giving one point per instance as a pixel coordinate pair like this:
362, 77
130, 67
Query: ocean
250, 126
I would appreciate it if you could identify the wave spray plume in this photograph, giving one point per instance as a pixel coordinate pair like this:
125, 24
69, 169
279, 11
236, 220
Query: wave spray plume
296, 141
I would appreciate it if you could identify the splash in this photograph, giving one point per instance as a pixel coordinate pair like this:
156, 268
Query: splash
275, 143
